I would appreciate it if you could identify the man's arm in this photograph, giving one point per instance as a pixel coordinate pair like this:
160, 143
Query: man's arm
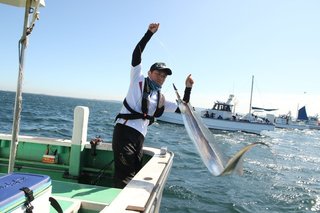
186, 97
137, 52
189, 83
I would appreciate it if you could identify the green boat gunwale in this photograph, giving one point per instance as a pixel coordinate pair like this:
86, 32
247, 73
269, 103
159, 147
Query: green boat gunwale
142, 194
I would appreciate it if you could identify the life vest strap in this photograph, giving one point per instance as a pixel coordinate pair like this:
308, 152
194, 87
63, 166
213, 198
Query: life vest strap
144, 107
132, 116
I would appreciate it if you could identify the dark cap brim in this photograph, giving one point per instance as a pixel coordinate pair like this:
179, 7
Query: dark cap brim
166, 70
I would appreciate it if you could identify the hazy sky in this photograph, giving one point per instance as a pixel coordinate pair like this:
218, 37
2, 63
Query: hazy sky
84, 50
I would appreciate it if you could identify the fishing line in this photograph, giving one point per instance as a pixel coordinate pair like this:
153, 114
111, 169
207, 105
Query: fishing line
167, 51
171, 59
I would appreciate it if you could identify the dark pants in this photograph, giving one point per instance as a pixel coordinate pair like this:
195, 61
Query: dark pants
127, 146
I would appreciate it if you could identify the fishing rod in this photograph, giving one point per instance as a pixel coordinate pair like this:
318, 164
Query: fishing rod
101, 172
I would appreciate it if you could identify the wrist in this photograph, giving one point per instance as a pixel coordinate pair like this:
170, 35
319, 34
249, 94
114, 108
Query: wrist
149, 32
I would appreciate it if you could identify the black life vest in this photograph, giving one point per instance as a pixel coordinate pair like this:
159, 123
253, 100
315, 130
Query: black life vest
144, 107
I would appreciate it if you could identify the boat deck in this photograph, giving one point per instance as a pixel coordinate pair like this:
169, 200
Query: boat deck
89, 193
71, 196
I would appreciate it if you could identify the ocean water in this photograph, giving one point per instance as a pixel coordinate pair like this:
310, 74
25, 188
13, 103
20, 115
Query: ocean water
282, 178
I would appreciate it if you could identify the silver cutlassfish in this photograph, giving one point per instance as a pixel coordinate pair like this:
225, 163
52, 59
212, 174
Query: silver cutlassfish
212, 157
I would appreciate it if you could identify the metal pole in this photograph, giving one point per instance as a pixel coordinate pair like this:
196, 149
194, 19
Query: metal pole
18, 101
251, 95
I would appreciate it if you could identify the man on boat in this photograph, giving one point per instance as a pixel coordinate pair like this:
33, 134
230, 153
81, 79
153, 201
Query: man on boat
142, 104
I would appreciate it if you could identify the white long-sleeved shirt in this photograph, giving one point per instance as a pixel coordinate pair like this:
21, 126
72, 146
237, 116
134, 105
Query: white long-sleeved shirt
134, 99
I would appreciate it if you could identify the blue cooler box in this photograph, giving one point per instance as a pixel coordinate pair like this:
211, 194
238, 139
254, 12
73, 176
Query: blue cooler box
13, 199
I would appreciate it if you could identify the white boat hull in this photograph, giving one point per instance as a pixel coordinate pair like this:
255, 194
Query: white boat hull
317, 127
291, 126
220, 124
287, 123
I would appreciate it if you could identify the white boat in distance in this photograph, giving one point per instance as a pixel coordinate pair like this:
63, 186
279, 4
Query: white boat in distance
221, 117
287, 122
302, 122
311, 121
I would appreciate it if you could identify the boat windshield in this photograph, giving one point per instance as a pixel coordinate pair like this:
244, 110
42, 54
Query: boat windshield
222, 107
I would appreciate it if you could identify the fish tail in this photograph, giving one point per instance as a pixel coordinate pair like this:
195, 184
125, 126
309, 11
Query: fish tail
235, 164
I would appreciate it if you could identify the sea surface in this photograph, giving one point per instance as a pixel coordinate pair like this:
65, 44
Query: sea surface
282, 178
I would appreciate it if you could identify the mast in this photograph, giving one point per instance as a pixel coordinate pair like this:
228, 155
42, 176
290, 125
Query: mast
251, 95
27, 29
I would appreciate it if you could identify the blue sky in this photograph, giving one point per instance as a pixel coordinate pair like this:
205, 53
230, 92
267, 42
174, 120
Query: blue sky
84, 50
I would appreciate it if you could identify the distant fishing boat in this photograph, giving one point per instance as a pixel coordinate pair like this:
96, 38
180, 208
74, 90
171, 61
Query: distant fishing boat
302, 122
222, 117
311, 121
287, 122
70, 175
